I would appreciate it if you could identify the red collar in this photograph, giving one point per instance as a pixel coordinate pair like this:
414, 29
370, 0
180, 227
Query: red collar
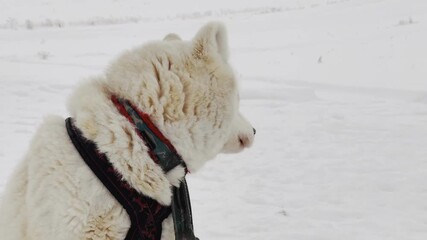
160, 148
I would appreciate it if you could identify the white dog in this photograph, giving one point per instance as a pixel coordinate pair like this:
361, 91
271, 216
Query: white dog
190, 93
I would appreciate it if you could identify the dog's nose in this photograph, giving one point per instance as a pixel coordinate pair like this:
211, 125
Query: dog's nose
254, 130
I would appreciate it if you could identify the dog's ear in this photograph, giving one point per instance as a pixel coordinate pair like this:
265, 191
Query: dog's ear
211, 39
171, 37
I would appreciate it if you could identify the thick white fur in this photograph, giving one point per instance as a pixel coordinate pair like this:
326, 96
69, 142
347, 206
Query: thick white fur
188, 89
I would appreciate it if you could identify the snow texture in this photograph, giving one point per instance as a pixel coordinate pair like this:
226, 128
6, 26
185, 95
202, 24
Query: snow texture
336, 89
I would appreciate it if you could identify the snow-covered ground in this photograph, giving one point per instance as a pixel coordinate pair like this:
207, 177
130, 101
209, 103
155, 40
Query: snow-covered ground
337, 90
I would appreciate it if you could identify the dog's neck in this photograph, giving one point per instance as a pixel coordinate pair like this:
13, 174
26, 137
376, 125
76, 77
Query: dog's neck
98, 119
160, 148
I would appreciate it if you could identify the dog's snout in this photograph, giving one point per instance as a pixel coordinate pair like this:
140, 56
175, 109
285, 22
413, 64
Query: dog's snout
254, 130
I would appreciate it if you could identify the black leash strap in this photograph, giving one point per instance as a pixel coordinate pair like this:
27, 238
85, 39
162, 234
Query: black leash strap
181, 212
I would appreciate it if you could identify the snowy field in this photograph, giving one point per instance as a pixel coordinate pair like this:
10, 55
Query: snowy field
337, 90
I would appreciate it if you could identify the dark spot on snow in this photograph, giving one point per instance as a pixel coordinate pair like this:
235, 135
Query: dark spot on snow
283, 212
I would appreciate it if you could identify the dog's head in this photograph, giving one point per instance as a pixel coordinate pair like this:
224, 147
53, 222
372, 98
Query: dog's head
189, 90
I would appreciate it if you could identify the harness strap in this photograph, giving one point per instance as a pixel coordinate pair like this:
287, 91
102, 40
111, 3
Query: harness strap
146, 214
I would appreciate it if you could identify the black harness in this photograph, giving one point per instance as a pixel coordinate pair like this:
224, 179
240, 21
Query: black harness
146, 214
